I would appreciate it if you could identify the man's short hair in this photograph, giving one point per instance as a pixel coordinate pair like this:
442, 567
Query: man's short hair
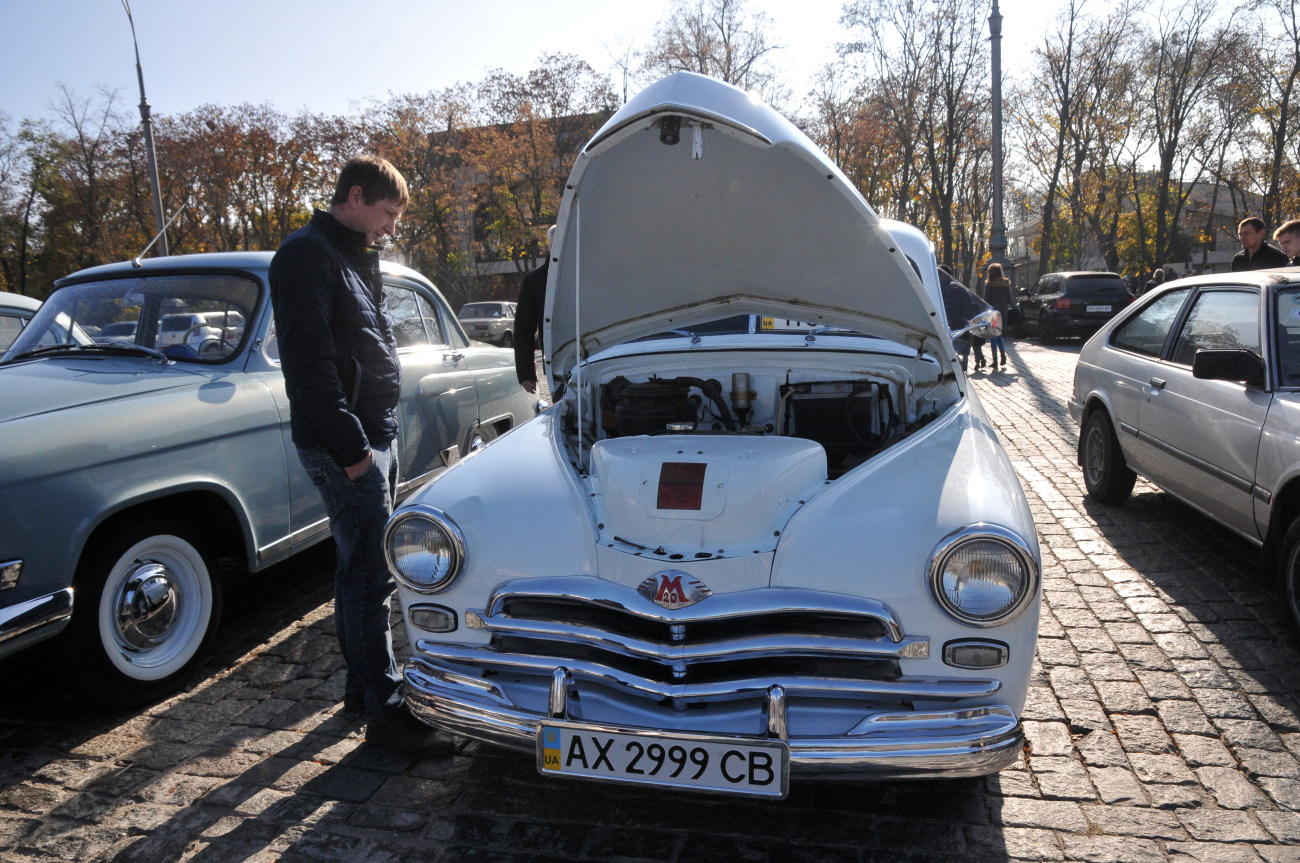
1254, 221
1291, 227
378, 179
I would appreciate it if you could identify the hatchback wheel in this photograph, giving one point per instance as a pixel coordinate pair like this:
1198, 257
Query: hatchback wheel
1105, 473
146, 614
1046, 335
1289, 570
508, 341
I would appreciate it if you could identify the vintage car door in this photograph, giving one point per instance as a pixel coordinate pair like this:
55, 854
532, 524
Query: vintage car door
439, 404
1203, 435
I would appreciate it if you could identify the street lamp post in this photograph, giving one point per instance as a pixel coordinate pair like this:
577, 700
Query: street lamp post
148, 141
998, 241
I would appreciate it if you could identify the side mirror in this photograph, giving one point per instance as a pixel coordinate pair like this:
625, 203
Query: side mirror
987, 325
1235, 365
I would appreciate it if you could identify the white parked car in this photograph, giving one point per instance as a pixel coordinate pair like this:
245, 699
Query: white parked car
766, 531
1197, 388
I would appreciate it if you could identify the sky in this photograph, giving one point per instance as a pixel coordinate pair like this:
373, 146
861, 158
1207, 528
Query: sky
331, 56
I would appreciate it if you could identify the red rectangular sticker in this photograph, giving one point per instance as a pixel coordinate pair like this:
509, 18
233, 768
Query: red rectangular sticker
681, 485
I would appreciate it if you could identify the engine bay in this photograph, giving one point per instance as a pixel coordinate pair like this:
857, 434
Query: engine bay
852, 414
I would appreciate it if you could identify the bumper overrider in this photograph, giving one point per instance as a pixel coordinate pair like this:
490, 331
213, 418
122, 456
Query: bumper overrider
747, 668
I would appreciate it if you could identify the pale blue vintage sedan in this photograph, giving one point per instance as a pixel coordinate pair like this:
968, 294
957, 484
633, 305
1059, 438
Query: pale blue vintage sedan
130, 466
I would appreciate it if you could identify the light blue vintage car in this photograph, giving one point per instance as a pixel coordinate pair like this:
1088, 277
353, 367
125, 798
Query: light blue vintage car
130, 466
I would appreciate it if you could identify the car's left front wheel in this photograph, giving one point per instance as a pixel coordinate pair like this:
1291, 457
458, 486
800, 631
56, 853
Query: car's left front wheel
147, 605
1289, 570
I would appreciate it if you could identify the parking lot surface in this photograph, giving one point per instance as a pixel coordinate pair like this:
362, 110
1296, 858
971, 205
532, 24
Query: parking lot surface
1162, 725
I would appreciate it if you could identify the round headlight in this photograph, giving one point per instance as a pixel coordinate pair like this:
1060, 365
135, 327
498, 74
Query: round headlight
424, 548
981, 579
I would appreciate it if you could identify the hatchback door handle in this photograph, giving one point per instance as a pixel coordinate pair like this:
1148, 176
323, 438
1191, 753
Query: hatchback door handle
1158, 383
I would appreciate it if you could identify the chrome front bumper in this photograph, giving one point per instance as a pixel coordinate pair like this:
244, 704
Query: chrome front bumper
960, 742
36, 619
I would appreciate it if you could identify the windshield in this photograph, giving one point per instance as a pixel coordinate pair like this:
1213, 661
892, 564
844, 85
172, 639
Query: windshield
196, 318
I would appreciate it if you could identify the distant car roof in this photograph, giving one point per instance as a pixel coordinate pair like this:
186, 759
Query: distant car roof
19, 301
206, 261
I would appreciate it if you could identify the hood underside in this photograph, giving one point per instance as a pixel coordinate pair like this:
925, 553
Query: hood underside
742, 215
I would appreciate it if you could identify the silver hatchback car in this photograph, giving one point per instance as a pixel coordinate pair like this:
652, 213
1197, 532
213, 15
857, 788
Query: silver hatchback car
1196, 387
490, 321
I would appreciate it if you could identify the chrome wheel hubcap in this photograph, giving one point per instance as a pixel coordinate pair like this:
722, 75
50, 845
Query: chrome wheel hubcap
147, 606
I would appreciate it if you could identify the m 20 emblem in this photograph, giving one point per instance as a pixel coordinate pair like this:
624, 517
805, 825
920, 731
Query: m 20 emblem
673, 589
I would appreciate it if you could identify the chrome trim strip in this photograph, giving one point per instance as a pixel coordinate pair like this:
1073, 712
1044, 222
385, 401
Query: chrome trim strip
1200, 464
732, 648
1263, 495
589, 590
430, 652
933, 744
1128, 429
298, 536
26, 617
407, 484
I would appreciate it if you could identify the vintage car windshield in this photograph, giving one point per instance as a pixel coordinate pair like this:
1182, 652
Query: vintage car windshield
189, 317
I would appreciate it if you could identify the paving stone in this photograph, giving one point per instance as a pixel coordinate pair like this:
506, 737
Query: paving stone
1134, 821
1104, 667
1142, 734
1283, 792
1263, 762
1278, 853
1062, 779
1117, 785
1161, 769
1185, 717
1110, 849
1248, 733
1085, 715
1048, 738
1044, 814
1125, 697
1211, 852
1012, 843
1163, 685
1231, 788
1282, 826
1219, 826
1225, 704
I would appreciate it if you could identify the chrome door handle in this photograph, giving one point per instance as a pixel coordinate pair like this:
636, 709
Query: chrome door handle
452, 359
1158, 383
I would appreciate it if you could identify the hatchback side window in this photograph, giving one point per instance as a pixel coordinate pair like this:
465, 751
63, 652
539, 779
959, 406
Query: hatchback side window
1145, 332
1219, 320
1288, 336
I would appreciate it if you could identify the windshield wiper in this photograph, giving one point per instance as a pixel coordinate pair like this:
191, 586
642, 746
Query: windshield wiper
109, 348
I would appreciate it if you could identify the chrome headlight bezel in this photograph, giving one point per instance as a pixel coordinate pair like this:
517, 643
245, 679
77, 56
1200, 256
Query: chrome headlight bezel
432, 519
975, 533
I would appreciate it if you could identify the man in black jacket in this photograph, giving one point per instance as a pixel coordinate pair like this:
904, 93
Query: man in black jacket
528, 319
343, 379
1288, 237
1255, 254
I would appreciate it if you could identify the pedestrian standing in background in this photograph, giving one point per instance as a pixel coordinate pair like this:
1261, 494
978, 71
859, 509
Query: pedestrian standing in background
1288, 237
1157, 279
960, 304
343, 380
997, 294
528, 319
1255, 254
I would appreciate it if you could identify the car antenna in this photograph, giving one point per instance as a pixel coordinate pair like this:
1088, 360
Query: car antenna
136, 262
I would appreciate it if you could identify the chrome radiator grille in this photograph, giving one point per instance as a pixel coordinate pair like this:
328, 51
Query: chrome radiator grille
772, 633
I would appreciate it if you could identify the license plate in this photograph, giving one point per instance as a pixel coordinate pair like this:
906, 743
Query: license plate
480, 326
729, 765
1098, 309
768, 324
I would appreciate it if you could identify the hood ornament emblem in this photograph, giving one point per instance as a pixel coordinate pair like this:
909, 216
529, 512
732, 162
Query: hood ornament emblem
672, 589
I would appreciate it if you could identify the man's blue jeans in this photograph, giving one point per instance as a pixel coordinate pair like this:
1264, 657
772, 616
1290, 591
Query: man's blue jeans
358, 510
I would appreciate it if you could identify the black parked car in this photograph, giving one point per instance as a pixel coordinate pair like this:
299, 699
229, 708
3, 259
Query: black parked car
1071, 304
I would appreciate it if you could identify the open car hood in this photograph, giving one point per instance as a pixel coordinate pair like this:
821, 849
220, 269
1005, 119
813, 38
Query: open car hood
743, 215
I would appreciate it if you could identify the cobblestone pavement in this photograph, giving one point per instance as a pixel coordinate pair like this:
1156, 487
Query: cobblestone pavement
1162, 726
